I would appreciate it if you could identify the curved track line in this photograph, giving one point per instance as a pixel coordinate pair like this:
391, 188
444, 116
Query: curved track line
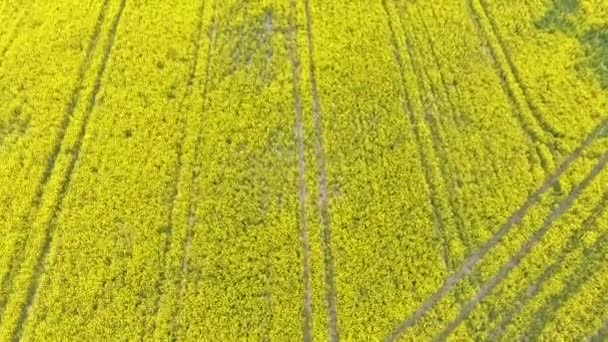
534, 289
407, 109
330, 286
43, 256
438, 142
555, 214
515, 72
6, 284
294, 56
513, 220
546, 162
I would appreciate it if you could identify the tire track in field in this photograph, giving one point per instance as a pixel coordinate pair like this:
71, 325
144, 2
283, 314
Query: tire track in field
438, 223
294, 57
18, 255
187, 242
512, 68
437, 65
34, 284
555, 214
178, 169
438, 142
12, 34
514, 219
594, 258
447, 168
534, 289
533, 137
331, 294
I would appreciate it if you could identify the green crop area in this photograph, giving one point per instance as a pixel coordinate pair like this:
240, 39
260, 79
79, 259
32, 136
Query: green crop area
284, 170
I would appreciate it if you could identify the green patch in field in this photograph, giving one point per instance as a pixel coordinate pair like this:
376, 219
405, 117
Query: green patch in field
563, 17
558, 18
15, 125
596, 42
245, 39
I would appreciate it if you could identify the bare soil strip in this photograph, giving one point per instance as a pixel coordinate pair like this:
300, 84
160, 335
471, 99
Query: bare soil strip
294, 56
557, 212
43, 256
512, 221
323, 187
17, 258
548, 272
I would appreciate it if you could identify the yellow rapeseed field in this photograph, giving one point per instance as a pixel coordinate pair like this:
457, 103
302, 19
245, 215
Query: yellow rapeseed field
379, 170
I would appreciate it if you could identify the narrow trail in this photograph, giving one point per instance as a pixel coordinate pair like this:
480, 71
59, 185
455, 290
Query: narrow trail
438, 223
512, 68
43, 256
187, 242
448, 169
178, 169
437, 137
438, 66
294, 54
548, 272
555, 214
6, 283
512, 221
323, 187
13, 34
503, 77
594, 259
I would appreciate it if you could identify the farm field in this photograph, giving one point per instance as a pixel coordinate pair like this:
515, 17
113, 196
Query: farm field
380, 170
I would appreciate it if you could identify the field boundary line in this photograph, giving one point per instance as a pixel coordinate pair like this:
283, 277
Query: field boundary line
525, 249
587, 268
294, 56
514, 219
17, 258
331, 294
438, 224
75, 153
548, 272
547, 162
178, 169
